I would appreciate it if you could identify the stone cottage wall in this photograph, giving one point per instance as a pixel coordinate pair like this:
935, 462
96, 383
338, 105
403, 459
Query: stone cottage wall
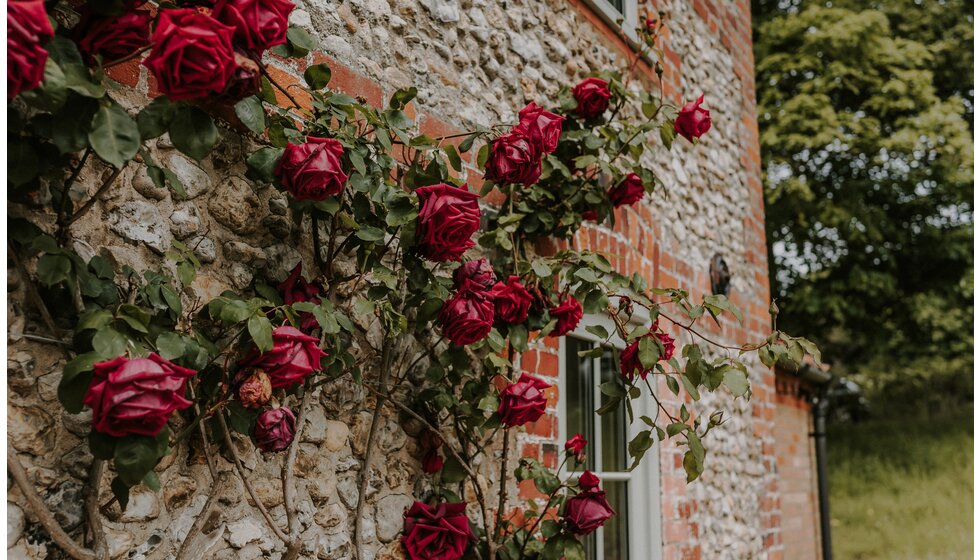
474, 62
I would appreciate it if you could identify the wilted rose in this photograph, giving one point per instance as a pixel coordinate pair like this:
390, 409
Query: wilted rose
436, 533
693, 121
312, 170
293, 357
478, 271
256, 390
275, 429
523, 401
136, 396
448, 218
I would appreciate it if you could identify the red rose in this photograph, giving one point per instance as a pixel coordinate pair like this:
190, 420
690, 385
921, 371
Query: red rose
693, 121
448, 218
27, 28
514, 159
478, 271
275, 429
259, 24
511, 300
587, 511
593, 98
293, 357
295, 290
523, 402
540, 126
629, 360
192, 55
588, 481
467, 317
256, 390
628, 191
590, 215
432, 462
568, 313
576, 446
136, 397
115, 37
312, 171
436, 533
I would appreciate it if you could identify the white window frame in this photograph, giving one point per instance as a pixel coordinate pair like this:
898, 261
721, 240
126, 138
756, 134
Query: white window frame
609, 14
644, 525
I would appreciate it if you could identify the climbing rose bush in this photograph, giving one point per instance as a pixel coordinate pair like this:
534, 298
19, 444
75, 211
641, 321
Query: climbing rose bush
418, 290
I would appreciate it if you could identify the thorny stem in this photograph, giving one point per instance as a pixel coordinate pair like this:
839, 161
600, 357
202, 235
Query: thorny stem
502, 498
65, 199
272, 80
92, 509
128, 57
95, 197
186, 550
41, 511
547, 505
245, 480
289, 485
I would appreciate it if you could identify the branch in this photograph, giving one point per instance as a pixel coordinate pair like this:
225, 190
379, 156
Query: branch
95, 197
41, 511
502, 501
288, 485
32, 292
248, 485
92, 509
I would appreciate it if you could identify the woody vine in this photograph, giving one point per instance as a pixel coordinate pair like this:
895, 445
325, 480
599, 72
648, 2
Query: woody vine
160, 370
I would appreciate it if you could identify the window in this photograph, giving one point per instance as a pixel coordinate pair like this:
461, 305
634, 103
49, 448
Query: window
614, 11
634, 533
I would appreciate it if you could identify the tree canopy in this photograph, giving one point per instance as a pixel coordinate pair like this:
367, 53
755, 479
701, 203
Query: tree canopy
865, 112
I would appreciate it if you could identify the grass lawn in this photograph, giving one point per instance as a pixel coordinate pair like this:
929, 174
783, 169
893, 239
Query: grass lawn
902, 489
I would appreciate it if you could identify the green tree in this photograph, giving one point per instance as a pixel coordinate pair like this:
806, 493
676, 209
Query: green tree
865, 114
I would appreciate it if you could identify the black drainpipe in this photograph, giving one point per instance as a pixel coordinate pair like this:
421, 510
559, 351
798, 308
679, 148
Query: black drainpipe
822, 380
820, 442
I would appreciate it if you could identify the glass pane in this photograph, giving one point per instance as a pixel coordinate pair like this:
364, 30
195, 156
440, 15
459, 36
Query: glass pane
618, 4
615, 533
580, 401
613, 425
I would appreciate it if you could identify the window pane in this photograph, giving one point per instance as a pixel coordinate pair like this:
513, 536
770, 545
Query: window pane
613, 425
615, 534
618, 4
579, 402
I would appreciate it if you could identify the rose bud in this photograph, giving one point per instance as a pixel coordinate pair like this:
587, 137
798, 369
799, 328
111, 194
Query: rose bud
245, 81
295, 290
259, 24
513, 159
568, 313
628, 191
693, 121
629, 359
588, 481
192, 55
511, 301
478, 271
432, 462
275, 429
448, 218
540, 126
293, 357
523, 402
592, 95
136, 396
441, 532
312, 171
576, 446
115, 38
256, 390
587, 511
28, 28
430, 440
467, 317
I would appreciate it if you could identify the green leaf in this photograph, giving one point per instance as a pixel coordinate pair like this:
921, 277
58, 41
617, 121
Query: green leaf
152, 481
121, 491
102, 446
648, 352
737, 382
452, 471
260, 329
300, 41
75, 379
251, 113
170, 345
639, 445
262, 164
109, 343
155, 118
193, 132
453, 156
135, 456
598, 331
53, 269
114, 135
317, 76
78, 77
370, 233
